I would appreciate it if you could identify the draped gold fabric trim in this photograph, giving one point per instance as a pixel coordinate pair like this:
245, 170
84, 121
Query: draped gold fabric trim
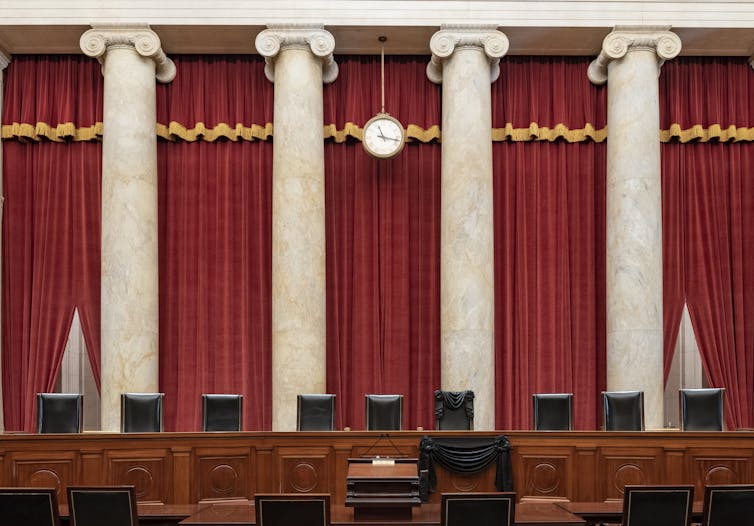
200, 132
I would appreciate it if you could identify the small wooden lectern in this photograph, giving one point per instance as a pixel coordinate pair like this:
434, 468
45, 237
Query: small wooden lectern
382, 489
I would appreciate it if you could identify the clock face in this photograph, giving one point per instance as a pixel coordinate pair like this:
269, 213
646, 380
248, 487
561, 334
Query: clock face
383, 136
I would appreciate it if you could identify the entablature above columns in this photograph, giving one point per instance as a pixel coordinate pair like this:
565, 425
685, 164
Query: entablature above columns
96, 42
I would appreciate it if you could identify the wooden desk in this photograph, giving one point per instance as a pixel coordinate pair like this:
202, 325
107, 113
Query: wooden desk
611, 511
527, 514
152, 514
185, 468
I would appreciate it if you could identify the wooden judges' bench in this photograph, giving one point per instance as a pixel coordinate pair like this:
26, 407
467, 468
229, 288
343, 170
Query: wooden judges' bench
182, 468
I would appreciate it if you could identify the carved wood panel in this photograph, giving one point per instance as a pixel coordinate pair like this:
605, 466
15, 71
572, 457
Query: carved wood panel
57, 470
223, 474
309, 472
147, 470
623, 467
718, 467
545, 475
449, 482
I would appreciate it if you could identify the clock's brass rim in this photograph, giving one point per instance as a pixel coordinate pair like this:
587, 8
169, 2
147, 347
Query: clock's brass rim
389, 117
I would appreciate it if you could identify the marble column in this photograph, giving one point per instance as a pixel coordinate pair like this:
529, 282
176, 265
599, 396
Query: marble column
299, 59
131, 57
4, 61
465, 59
630, 63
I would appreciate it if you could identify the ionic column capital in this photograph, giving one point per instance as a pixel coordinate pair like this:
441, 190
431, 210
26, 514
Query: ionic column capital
96, 42
487, 38
280, 36
751, 61
4, 60
624, 39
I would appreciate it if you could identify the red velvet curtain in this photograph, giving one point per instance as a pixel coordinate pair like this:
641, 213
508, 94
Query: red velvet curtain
383, 245
708, 210
549, 200
215, 236
51, 227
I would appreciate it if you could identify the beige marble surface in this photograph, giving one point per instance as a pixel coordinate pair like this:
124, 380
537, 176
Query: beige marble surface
298, 60
630, 63
130, 314
465, 59
4, 61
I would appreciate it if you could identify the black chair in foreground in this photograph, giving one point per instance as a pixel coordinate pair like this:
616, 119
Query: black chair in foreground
623, 410
141, 412
299, 509
315, 412
384, 412
59, 413
728, 505
657, 505
102, 506
454, 410
702, 409
479, 509
553, 411
222, 412
28, 507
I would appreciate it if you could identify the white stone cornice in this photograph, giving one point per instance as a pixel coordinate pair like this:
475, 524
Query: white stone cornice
97, 40
486, 37
278, 36
4, 60
623, 39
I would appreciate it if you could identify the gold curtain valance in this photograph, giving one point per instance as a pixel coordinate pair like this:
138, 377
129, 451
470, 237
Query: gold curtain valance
238, 132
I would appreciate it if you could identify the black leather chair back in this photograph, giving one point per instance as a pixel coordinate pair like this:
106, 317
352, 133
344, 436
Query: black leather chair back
102, 506
553, 411
222, 412
702, 409
297, 509
623, 410
454, 410
728, 505
28, 507
657, 505
315, 412
478, 509
59, 413
141, 412
384, 412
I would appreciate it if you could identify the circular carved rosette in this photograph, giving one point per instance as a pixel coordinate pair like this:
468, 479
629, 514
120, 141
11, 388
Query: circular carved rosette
464, 482
45, 478
303, 477
141, 479
720, 475
223, 480
628, 474
545, 479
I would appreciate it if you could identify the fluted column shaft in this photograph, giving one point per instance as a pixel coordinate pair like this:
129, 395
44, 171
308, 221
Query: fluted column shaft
465, 59
4, 61
299, 59
131, 57
630, 63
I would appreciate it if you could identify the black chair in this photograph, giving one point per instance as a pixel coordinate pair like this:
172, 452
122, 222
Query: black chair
479, 509
553, 411
384, 412
141, 412
28, 507
702, 409
728, 505
315, 412
222, 412
102, 506
454, 410
59, 413
657, 505
623, 410
299, 509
